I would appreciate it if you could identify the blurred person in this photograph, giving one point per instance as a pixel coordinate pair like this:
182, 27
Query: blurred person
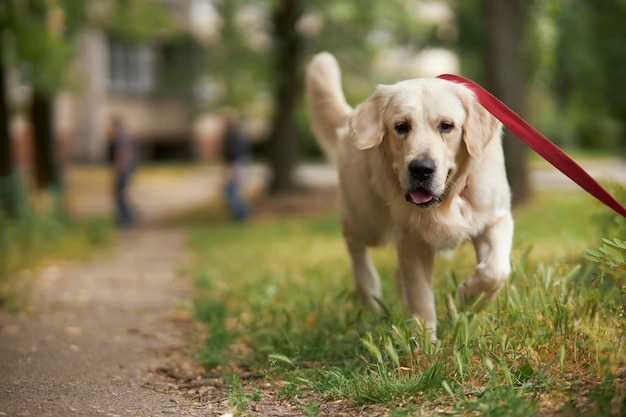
235, 153
123, 157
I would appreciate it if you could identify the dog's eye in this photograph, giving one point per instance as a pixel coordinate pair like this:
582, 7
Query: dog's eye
446, 127
402, 128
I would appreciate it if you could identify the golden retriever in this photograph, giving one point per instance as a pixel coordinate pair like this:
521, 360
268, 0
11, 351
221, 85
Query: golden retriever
419, 162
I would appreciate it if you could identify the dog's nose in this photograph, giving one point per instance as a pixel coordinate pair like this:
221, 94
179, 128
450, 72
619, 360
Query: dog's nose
422, 169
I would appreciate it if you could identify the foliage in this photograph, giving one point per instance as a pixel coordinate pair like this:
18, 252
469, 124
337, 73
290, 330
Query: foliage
584, 73
38, 36
242, 54
471, 41
32, 44
573, 52
137, 20
611, 257
572, 48
278, 293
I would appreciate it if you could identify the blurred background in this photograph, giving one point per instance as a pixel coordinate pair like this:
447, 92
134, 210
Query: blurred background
170, 68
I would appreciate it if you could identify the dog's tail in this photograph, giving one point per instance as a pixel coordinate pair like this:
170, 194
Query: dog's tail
328, 109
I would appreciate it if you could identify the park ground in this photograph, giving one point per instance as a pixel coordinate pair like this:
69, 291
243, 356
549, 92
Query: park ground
114, 336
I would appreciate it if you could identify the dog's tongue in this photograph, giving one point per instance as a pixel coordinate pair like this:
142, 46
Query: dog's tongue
420, 196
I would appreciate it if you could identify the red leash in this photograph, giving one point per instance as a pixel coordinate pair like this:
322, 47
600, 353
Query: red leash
539, 143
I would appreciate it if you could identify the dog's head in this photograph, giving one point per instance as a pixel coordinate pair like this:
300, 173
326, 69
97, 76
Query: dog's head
429, 128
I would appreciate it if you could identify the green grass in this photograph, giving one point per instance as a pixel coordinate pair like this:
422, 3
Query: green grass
38, 237
277, 297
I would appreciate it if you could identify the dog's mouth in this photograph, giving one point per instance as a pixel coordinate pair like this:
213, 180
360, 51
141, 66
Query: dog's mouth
421, 197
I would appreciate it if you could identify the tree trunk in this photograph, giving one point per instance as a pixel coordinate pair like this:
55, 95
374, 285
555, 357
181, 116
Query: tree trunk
283, 144
8, 179
47, 169
45, 155
505, 78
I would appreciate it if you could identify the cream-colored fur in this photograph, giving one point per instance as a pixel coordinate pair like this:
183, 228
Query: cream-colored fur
420, 163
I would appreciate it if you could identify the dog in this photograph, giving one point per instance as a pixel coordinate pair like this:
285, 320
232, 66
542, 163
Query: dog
420, 162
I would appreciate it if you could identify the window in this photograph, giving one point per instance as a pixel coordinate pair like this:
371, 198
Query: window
132, 67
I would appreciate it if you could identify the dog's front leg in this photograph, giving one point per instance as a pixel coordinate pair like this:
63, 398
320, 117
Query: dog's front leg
493, 252
365, 274
415, 278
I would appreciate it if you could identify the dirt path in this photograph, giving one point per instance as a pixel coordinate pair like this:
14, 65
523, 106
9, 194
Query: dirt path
98, 332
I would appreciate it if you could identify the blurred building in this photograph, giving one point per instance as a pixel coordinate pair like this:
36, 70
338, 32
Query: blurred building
123, 79
150, 85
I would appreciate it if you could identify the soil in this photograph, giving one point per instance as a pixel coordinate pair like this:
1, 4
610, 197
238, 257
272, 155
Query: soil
96, 332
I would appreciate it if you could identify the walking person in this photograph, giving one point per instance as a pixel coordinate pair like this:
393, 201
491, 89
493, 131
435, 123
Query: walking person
123, 156
236, 152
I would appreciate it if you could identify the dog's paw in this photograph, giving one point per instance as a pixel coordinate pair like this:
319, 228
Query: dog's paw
468, 295
473, 293
484, 284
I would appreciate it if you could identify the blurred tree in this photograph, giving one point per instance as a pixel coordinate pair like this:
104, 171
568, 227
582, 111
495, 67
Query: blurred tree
576, 52
610, 26
590, 57
8, 181
257, 58
24, 36
262, 46
36, 40
492, 52
41, 54
506, 79
288, 54
472, 33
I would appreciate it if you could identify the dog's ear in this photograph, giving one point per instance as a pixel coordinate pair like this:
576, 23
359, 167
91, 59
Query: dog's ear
480, 126
366, 123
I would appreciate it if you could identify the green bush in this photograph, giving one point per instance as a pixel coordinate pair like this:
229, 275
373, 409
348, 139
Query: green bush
611, 257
